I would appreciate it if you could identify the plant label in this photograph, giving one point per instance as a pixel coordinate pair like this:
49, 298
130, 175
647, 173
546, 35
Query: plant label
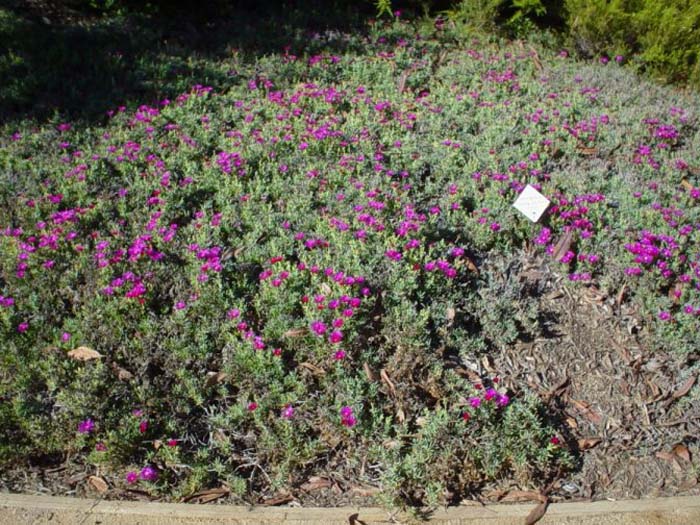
531, 203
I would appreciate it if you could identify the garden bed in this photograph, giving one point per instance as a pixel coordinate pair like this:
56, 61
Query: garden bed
309, 285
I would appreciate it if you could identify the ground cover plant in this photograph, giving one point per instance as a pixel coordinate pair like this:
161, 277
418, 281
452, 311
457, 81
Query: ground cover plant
296, 278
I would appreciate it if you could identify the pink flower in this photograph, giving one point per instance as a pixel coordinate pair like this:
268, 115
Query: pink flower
288, 412
149, 473
318, 327
339, 355
336, 336
22, 327
346, 417
86, 427
252, 406
65, 336
475, 402
131, 477
143, 426
171, 442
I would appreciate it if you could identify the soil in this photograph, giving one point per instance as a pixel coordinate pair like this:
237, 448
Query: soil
621, 402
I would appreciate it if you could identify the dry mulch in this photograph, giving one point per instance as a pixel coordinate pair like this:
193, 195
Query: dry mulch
624, 404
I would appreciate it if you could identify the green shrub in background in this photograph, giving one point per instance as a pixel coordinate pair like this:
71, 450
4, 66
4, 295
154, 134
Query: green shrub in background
662, 36
669, 38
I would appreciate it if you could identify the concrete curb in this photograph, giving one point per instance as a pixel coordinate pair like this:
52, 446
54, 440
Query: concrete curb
18, 509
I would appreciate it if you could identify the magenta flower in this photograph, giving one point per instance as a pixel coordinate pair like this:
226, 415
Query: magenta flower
131, 477
288, 412
318, 327
22, 327
346, 417
149, 473
336, 336
475, 402
65, 336
86, 427
502, 400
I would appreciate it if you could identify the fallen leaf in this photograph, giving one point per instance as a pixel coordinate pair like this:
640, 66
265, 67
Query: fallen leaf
364, 492
402, 81
122, 374
385, 378
685, 387
316, 483
313, 368
214, 378
471, 266
400, 415
588, 443
687, 185
620, 295
666, 456
278, 500
368, 372
563, 245
536, 513
572, 422
83, 353
584, 150
681, 451
587, 412
523, 495
295, 332
206, 496
450, 313
99, 484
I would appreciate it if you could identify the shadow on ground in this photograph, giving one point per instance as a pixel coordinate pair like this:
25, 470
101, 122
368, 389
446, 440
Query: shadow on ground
55, 61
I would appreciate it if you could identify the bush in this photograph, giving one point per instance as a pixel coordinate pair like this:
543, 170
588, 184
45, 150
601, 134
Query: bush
664, 34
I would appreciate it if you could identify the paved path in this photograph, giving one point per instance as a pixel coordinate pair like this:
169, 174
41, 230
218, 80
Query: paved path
45, 510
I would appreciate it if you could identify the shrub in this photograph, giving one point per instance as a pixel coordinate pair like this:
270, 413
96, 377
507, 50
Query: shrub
664, 35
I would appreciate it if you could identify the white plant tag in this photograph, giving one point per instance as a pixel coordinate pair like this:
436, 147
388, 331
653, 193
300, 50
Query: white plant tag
531, 203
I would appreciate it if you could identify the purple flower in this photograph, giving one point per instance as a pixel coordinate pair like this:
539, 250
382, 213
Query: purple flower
336, 336
475, 402
131, 477
318, 327
664, 316
149, 473
86, 427
346, 417
288, 412
22, 327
